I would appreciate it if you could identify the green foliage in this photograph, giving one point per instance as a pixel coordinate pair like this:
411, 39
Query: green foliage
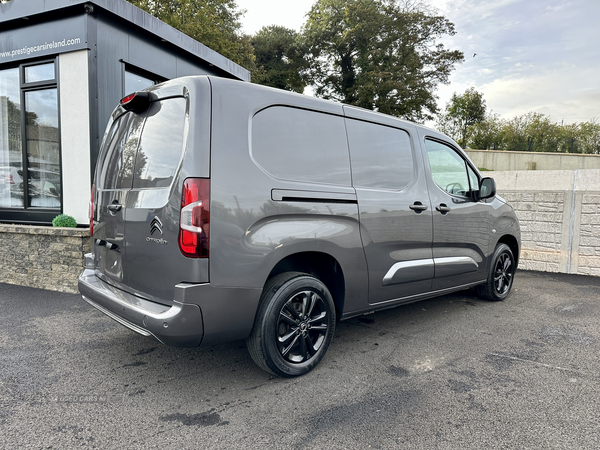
215, 23
279, 58
534, 132
466, 121
64, 220
463, 111
382, 55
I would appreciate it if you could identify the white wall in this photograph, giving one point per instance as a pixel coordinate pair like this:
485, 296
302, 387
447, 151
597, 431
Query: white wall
75, 133
559, 213
508, 160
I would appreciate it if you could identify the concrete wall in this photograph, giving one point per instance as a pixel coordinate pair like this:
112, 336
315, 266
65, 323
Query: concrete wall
43, 257
559, 212
503, 160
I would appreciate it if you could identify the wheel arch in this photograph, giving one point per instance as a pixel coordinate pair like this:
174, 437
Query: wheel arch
320, 265
512, 243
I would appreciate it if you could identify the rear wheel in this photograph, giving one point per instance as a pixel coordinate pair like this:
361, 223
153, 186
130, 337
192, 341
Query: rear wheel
500, 278
294, 325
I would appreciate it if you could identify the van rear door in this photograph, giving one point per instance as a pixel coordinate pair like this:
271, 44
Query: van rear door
154, 263
113, 182
139, 181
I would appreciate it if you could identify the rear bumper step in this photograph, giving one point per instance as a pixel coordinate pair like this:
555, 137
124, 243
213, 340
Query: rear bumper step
180, 325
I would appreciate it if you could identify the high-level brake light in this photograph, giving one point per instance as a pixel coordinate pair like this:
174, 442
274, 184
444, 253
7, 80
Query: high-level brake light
136, 102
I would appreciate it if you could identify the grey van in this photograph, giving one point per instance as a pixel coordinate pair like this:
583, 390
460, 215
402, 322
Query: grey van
223, 211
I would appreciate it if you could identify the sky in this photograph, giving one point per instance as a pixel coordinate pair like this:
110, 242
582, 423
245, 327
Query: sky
531, 55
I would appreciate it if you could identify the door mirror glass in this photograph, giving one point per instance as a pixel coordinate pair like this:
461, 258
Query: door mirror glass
487, 188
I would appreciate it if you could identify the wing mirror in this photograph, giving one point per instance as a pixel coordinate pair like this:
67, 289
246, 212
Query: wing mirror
487, 188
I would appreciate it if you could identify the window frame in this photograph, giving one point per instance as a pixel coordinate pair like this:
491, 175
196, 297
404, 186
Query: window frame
34, 214
135, 70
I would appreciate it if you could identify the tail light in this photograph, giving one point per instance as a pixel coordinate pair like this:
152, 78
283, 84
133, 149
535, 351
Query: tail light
194, 222
91, 211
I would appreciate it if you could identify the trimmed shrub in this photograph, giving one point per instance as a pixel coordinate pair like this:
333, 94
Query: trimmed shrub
64, 220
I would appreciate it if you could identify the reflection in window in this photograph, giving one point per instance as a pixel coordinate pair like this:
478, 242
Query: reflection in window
116, 168
161, 146
11, 160
40, 72
381, 156
135, 82
448, 169
298, 145
43, 148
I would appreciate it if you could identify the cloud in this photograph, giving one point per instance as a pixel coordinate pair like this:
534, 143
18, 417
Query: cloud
532, 55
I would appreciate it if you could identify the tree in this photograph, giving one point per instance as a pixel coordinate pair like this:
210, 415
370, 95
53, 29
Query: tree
462, 111
279, 58
215, 23
381, 55
484, 135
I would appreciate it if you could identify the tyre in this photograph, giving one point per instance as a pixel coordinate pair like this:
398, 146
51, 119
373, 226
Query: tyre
500, 278
294, 325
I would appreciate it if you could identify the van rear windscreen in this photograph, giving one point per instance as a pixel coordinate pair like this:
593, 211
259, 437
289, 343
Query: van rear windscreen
143, 150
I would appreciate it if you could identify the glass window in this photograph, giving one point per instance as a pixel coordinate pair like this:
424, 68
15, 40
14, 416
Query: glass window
11, 157
381, 156
43, 149
161, 144
120, 147
473, 179
300, 145
40, 72
135, 82
30, 166
448, 168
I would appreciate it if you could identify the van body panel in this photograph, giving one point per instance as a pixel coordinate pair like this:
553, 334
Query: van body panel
386, 211
461, 224
248, 220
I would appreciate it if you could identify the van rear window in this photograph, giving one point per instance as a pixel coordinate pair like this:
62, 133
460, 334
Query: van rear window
300, 145
117, 156
161, 144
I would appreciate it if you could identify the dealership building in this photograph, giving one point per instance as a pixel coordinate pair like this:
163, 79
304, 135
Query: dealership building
64, 65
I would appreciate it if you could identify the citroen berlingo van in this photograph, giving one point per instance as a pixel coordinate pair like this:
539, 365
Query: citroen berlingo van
224, 210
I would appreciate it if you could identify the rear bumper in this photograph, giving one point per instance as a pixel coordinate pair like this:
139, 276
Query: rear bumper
180, 325
201, 313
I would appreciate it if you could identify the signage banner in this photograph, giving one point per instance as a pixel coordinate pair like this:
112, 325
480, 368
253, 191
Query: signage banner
49, 38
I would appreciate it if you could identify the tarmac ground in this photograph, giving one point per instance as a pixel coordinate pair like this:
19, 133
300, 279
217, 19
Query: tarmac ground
453, 372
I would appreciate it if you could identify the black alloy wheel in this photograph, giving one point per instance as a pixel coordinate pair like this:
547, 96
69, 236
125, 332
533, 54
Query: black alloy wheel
302, 326
294, 325
501, 276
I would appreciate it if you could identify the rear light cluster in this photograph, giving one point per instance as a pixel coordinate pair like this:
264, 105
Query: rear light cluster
194, 222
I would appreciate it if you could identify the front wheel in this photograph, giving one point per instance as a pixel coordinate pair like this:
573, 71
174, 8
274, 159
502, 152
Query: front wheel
294, 325
500, 278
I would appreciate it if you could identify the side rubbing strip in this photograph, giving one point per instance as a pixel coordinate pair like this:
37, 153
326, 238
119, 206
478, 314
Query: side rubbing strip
454, 265
287, 195
407, 271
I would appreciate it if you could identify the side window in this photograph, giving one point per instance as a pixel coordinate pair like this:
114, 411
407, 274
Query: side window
299, 145
448, 169
381, 156
473, 179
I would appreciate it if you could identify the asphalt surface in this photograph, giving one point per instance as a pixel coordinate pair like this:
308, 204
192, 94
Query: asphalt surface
454, 372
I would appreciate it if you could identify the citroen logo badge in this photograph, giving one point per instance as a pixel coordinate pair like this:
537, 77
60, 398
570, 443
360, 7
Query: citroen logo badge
156, 225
